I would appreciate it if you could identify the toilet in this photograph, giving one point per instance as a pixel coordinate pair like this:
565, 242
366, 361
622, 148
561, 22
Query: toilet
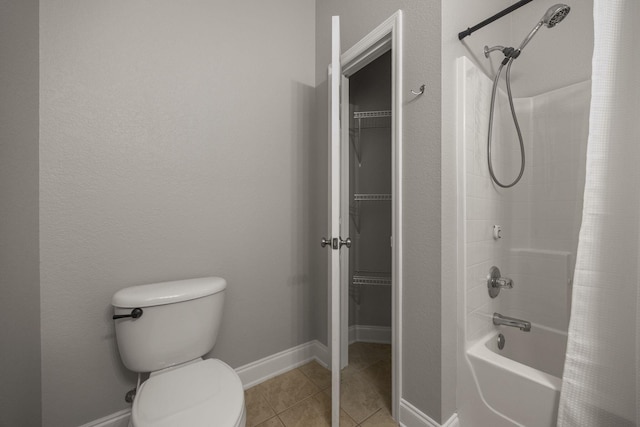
165, 329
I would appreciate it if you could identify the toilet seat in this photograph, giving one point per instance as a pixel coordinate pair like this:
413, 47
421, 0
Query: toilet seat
200, 394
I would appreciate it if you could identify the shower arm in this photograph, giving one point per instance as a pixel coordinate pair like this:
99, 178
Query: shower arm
495, 17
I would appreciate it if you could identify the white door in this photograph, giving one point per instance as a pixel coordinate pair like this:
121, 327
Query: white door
338, 261
334, 141
384, 37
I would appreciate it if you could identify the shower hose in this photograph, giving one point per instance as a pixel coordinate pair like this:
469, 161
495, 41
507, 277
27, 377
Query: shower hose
515, 121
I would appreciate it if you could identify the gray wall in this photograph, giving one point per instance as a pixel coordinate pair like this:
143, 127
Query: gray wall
422, 378
175, 142
19, 281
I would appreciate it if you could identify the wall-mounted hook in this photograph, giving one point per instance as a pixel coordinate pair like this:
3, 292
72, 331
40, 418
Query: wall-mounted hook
418, 93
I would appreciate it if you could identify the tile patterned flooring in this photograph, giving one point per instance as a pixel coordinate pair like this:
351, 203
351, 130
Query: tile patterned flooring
302, 396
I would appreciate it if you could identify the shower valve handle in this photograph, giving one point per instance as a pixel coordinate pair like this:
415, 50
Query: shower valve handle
502, 282
495, 282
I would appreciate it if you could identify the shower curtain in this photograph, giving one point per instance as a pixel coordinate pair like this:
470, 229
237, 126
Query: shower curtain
600, 382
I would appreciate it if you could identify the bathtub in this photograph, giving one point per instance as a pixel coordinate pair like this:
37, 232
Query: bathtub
521, 382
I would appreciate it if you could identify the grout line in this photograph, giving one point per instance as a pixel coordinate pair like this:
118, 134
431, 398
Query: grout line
350, 417
371, 415
298, 402
311, 380
266, 400
313, 395
268, 419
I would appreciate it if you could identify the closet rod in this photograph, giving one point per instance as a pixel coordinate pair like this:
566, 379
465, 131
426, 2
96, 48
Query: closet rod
488, 21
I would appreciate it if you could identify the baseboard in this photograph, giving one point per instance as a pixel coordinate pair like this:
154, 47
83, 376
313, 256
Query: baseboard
118, 419
410, 416
367, 333
261, 370
251, 374
453, 421
321, 354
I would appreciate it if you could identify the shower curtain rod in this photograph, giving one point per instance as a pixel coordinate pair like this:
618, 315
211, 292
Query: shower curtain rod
488, 21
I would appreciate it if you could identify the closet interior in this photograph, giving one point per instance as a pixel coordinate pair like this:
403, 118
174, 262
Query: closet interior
370, 206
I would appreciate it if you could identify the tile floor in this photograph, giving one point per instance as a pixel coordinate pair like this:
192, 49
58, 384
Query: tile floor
302, 396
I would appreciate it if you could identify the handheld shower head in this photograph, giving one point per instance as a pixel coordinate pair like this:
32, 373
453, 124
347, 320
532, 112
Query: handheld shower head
554, 14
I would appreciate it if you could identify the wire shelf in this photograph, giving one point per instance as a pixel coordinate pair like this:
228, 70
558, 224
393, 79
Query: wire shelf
373, 119
374, 278
367, 120
371, 197
370, 114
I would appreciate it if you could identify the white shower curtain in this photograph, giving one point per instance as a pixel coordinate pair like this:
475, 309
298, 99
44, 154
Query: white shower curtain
600, 382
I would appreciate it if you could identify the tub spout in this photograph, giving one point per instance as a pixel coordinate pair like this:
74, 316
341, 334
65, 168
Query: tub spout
523, 325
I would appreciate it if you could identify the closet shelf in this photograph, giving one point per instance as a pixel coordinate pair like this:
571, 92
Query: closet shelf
371, 197
372, 119
375, 278
371, 114
367, 120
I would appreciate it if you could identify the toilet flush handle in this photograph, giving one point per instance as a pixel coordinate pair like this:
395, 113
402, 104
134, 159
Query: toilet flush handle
135, 313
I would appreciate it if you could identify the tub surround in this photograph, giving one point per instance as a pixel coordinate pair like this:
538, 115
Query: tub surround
540, 220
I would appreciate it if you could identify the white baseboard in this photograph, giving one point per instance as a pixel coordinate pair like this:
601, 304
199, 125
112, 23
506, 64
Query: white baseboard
410, 416
321, 353
251, 374
261, 370
453, 421
118, 419
366, 333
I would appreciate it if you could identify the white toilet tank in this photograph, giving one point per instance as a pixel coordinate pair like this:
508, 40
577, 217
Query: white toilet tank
179, 322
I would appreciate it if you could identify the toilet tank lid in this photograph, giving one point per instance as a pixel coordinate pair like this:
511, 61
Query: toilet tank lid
167, 292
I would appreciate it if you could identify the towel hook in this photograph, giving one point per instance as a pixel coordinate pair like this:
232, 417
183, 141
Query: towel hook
418, 93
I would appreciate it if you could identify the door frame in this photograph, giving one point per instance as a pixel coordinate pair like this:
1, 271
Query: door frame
386, 37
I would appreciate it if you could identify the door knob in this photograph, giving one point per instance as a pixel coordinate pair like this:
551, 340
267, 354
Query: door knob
335, 243
346, 242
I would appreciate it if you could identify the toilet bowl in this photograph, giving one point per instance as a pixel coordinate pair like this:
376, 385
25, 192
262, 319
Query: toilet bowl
165, 329
191, 395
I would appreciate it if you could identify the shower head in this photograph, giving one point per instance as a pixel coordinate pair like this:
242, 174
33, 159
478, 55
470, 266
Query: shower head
554, 14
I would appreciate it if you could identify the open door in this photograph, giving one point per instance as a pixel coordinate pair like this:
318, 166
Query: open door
335, 242
386, 37
334, 141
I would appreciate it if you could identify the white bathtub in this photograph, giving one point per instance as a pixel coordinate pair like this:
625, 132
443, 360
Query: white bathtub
521, 382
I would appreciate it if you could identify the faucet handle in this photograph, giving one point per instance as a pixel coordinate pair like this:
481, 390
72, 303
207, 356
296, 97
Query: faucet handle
495, 282
502, 282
